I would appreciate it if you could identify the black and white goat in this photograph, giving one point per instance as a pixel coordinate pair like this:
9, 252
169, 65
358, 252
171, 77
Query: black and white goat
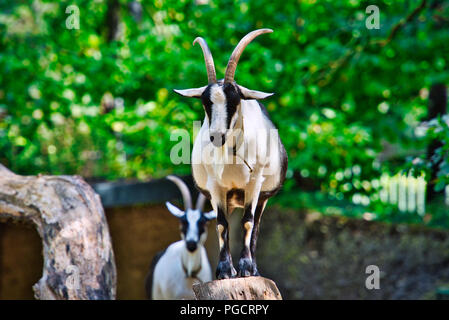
238, 160
174, 270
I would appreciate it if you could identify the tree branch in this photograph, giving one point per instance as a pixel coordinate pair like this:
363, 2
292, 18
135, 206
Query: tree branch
397, 27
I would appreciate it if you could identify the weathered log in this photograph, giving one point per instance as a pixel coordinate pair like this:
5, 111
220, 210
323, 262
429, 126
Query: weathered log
249, 288
68, 215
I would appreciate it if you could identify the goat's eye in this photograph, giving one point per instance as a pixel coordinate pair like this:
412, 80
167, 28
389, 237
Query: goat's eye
201, 226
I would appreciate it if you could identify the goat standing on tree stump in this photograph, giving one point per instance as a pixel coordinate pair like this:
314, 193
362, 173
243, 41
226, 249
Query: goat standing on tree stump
174, 270
238, 160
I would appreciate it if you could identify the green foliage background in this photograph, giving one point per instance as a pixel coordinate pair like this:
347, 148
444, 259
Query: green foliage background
341, 93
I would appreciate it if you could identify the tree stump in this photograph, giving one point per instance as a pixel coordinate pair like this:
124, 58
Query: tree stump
68, 215
249, 288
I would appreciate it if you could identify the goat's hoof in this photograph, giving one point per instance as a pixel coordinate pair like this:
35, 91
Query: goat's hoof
246, 267
225, 270
255, 271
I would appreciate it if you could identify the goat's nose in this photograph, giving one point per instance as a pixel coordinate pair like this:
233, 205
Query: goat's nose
217, 139
191, 245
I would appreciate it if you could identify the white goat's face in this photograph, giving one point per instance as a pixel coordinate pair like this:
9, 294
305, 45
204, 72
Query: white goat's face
221, 103
193, 225
221, 99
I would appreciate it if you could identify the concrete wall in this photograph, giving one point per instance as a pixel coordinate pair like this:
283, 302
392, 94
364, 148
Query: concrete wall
309, 256
20, 260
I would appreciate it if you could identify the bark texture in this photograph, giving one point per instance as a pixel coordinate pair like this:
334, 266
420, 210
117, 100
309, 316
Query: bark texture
68, 215
249, 288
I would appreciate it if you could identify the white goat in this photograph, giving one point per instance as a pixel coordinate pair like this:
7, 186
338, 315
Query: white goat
174, 270
238, 160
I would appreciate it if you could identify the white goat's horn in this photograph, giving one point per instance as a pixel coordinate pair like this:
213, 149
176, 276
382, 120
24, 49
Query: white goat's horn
211, 75
235, 56
200, 202
184, 191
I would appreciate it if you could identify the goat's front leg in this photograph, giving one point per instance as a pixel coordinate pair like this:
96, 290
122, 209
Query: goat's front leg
225, 269
247, 264
258, 214
250, 223
246, 267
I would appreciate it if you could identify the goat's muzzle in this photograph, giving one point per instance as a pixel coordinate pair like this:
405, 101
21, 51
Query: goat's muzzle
191, 246
218, 139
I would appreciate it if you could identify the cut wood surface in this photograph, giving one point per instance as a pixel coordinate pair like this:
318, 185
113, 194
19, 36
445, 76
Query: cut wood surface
68, 215
249, 288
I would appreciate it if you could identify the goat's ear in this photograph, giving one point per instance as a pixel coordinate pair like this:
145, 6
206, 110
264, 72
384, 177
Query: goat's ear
191, 93
249, 94
210, 215
178, 213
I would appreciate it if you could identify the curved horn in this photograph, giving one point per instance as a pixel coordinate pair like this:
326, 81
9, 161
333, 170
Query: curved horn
184, 191
200, 202
211, 75
235, 56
